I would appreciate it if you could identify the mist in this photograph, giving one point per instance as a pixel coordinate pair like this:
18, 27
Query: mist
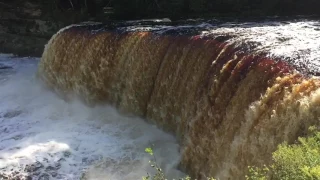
43, 136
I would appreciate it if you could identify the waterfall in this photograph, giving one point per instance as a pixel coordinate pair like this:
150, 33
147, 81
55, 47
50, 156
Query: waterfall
229, 104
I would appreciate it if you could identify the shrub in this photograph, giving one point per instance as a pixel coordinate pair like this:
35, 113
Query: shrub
159, 175
292, 162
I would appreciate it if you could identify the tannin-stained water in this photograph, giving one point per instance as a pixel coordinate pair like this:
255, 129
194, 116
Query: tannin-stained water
231, 92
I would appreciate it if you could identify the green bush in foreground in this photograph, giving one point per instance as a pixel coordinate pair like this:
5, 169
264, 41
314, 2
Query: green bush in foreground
299, 161
159, 175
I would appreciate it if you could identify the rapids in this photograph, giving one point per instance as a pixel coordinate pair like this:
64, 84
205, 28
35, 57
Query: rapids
44, 137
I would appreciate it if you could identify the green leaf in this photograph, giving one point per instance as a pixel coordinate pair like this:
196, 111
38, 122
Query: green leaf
149, 151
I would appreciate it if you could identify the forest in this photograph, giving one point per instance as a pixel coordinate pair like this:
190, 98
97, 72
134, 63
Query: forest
177, 9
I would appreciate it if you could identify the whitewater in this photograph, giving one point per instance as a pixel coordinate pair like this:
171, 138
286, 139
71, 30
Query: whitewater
44, 137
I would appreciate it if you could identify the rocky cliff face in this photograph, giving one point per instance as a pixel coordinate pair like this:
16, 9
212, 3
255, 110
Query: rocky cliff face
227, 98
26, 26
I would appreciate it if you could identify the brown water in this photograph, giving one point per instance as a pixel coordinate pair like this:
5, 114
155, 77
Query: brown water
230, 93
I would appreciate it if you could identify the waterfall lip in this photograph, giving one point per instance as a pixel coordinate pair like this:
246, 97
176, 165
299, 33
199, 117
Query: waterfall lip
150, 20
295, 41
196, 80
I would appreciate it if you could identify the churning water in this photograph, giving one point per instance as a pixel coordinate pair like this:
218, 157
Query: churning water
44, 137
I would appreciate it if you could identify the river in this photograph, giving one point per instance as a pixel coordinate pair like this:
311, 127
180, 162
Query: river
45, 137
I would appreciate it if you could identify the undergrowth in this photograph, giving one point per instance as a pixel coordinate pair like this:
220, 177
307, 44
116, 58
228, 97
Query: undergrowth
159, 175
299, 161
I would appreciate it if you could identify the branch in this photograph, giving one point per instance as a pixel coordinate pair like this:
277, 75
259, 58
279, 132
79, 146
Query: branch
156, 1
71, 4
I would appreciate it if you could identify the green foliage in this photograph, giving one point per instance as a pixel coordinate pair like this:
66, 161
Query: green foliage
187, 8
159, 175
300, 161
258, 173
146, 8
149, 151
177, 9
293, 162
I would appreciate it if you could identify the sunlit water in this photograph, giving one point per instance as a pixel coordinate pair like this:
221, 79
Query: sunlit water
44, 137
296, 41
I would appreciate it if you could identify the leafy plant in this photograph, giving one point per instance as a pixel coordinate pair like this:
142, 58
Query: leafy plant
293, 162
159, 175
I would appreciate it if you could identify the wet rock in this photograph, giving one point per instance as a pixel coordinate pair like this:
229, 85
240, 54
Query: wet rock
22, 45
26, 26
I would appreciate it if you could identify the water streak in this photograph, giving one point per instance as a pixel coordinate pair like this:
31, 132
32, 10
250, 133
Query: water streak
229, 103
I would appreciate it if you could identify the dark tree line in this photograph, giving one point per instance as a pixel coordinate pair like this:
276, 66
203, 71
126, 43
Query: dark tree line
129, 9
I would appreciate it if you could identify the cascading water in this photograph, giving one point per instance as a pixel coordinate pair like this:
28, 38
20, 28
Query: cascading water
230, 92
44, 137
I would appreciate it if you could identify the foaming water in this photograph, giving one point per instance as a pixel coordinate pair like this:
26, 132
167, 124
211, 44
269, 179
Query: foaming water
296, 41
229, 97
42, 136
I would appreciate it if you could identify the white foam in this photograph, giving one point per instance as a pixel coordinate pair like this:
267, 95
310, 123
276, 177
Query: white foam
37, 126
297, 40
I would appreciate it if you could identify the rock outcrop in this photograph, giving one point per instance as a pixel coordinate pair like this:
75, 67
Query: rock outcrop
26, 26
